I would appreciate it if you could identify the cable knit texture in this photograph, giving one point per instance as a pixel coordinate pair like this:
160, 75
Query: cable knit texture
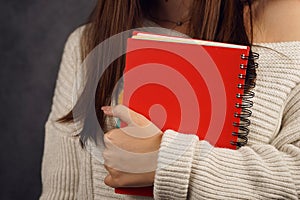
267, 168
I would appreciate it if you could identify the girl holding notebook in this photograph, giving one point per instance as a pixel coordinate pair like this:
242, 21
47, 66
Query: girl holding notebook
267, 167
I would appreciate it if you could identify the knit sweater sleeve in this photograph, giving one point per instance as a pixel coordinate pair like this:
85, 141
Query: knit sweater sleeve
60, 159
193, 169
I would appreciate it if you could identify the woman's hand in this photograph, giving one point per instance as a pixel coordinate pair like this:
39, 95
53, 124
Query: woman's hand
131, 152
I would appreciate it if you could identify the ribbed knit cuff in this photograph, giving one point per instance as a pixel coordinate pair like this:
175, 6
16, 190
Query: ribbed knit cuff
174, 165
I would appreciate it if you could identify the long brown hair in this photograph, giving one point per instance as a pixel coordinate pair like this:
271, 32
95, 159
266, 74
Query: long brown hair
217, 20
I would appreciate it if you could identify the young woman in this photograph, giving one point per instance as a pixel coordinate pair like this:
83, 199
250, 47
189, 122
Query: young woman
268, 167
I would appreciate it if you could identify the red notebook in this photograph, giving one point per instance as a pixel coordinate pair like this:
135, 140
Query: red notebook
190, 86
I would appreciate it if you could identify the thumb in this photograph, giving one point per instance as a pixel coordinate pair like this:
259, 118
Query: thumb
138, 125
130, 117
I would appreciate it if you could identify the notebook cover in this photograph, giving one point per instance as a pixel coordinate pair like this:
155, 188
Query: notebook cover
184, 87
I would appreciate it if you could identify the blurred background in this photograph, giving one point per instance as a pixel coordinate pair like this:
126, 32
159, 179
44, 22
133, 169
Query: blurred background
33, 34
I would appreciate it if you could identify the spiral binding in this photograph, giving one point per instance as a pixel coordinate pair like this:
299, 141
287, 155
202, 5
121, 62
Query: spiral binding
246, 104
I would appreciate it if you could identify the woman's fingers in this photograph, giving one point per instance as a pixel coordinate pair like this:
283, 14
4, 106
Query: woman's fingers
139, 158
116, 179
109, 180
131, 152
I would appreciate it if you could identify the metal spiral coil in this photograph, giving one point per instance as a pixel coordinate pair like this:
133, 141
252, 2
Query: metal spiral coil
246, 104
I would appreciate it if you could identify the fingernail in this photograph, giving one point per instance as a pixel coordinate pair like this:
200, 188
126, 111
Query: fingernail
104, 108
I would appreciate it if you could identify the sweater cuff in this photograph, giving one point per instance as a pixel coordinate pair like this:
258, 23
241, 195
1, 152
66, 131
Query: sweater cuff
174, 165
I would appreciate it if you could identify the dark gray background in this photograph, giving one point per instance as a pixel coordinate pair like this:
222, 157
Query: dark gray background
33, 33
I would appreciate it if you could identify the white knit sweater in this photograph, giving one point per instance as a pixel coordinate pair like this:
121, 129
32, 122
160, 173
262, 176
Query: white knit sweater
267, 168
